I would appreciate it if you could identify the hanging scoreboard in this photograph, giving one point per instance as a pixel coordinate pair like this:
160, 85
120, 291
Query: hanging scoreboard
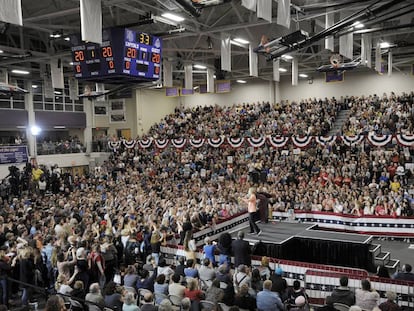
123, 52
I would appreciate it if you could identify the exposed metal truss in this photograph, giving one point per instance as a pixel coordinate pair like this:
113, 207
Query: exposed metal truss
197, 38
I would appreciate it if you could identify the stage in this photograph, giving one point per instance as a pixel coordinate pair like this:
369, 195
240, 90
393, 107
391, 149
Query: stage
309, 243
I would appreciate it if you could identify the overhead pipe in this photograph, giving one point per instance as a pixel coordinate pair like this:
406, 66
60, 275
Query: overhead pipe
320, 7
378, 22
399, 12
364, 13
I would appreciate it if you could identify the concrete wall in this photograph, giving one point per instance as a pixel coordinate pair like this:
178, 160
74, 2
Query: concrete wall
240, 93
152, 106
355, 83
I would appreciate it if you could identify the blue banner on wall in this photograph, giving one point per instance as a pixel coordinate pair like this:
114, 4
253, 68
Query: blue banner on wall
223, 86
172, 91
334, 76
13, 154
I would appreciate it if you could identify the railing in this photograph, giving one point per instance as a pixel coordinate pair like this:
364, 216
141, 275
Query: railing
45, 293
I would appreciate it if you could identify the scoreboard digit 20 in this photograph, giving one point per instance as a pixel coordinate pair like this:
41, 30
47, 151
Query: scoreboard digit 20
123, 52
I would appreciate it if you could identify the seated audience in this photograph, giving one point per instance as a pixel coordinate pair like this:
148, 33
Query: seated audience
342, 294
244, 300
130, 304
390, 304
268, 300
405, 274
148, 303
295, 291
112, 296
214, 293
366, 297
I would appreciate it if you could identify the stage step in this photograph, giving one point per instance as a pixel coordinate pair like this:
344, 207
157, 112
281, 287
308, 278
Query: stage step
383, 257
375, 249
393, 264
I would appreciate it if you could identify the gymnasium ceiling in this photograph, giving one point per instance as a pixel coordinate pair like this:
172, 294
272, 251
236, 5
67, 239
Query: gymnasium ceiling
197, 38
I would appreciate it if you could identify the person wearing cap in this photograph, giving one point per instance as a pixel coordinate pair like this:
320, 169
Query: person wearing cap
279, 284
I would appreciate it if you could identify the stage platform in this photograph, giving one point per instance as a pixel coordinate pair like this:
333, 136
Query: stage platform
281, 232
309, 243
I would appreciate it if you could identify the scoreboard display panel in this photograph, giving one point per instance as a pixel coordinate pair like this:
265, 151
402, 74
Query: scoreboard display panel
123, 52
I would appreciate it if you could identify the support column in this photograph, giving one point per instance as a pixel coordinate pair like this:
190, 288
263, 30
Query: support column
271, 92
278, 97
28, 104
90, 123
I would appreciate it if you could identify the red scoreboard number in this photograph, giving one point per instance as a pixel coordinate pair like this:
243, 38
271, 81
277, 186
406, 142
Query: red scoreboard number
156, 58
131, 53
107, 51
79, 56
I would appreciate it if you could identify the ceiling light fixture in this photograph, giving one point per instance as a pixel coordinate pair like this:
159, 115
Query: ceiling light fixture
287, 57
282, 69
241, 81
358, 25
198, 66
1, 51
173, 17
241, 41
385, 45
20, 72
55, 35
303, 75
35, 86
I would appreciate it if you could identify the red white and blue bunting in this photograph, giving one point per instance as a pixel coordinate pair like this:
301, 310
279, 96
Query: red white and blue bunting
145, 143
277, 141
161, 143
179, 143
405, 140
301, 141
215, 142
352, 140
325, 140
379, 140
197, 143
256, 141
273, 141
235, 142
114, 145
129, 144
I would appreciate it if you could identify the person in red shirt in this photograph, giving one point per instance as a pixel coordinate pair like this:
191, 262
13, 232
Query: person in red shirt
192, 290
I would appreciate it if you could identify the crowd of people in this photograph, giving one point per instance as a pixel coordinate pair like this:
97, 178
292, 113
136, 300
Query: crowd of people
308, 117
80, 233
70, 145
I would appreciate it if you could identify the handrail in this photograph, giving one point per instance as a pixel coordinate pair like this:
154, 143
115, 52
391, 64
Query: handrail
46, 294
38, 289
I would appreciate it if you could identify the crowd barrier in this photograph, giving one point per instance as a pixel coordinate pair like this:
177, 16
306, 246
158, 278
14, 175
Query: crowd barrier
319, 285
